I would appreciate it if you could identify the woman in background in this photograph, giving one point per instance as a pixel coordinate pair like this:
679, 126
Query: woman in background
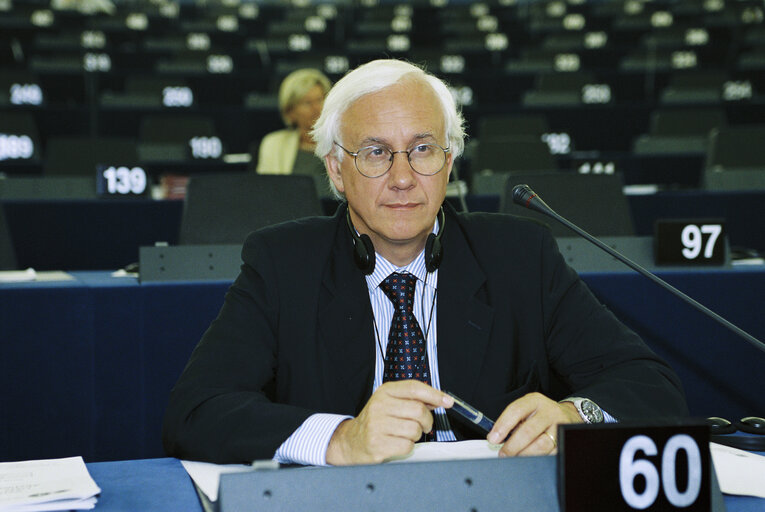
290, 151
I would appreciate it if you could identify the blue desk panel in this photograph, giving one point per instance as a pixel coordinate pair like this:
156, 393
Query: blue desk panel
88, 234
721, 372
87, 365
162, 485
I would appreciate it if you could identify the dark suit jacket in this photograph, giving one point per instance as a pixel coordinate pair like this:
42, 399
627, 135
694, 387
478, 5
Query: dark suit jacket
295, 336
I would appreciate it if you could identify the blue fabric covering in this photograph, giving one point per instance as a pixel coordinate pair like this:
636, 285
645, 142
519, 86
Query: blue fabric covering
87, 365
721, 372
160, 485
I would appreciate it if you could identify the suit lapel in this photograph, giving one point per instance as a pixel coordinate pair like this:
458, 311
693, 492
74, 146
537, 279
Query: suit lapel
464, 317
346, 329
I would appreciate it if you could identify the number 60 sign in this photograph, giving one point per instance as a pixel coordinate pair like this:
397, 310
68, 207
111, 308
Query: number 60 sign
634, 467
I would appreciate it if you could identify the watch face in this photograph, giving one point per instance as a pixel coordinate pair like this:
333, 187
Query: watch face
591, 411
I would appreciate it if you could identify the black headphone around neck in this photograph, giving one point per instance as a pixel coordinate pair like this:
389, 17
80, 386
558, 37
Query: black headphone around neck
364, 250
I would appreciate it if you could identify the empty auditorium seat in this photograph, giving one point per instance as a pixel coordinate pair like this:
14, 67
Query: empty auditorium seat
224, 208
736, 158
177, 138
7, 252
596, 203
681, 131
80, 156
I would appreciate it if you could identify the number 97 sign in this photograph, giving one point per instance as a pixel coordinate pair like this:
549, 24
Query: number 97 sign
627, 467
690, 242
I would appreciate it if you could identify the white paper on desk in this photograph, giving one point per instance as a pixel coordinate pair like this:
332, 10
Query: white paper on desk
51, 484
738, 471
458, 450
207, 476
17, 276
86, 504
30, 274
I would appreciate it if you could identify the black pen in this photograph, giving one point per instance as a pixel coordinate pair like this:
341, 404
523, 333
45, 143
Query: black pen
471, 414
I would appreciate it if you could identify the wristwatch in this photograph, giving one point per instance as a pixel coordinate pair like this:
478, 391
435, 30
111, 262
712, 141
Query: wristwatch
587, 409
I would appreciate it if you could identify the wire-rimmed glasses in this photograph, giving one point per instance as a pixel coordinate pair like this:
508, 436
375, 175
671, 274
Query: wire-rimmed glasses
375, 161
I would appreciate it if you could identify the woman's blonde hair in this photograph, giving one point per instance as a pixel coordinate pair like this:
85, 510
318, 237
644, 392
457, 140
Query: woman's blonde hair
296, 85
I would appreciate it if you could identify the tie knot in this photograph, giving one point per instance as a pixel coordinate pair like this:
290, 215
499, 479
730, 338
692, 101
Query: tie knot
399, 288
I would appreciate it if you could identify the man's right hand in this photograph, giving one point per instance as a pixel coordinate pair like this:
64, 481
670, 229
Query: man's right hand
394, 418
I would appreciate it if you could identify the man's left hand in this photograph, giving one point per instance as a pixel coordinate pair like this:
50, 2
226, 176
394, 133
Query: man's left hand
531, 422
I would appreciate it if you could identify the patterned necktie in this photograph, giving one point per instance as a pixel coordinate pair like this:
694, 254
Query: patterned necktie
406, 354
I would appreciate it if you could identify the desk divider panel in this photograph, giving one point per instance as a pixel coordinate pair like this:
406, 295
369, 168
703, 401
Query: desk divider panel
513, 484
189, 263
583, 256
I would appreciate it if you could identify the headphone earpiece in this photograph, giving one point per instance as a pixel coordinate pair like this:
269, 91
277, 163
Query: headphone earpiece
433, 249
364, 250
364, 253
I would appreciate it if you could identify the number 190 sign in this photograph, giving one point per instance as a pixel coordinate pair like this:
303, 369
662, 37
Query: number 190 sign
121, 181
626, 467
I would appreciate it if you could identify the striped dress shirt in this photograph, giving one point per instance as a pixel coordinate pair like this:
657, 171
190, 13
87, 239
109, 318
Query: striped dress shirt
308, 444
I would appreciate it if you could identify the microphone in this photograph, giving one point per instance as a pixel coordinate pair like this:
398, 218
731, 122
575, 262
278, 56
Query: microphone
524, 196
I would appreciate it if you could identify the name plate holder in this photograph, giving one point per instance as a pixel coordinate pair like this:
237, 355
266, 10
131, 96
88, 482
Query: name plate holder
509, 484
516, 484
691, 242
664, 466
189, 263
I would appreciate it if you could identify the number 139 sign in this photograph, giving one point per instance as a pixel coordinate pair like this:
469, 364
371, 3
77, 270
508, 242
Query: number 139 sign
121, 181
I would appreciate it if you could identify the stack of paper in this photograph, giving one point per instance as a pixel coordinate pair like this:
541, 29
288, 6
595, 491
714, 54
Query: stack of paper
17, 276
53, 484
738, 471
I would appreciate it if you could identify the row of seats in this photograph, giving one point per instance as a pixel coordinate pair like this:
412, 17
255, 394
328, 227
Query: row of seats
252, 201
340, 21
726, 157
544, 85
456, 40
613, 85
701, 139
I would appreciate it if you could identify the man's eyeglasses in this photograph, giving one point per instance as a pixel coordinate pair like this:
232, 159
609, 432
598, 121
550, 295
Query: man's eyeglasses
375, 161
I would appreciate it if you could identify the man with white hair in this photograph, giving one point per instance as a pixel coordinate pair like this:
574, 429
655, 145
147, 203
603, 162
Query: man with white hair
337, 340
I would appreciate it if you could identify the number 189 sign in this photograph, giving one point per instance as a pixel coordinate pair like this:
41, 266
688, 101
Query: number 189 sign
627, 467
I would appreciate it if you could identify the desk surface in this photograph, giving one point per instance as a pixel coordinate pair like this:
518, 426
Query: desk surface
162, 485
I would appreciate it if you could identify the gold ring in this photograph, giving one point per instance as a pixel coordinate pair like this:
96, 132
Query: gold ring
554, 442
